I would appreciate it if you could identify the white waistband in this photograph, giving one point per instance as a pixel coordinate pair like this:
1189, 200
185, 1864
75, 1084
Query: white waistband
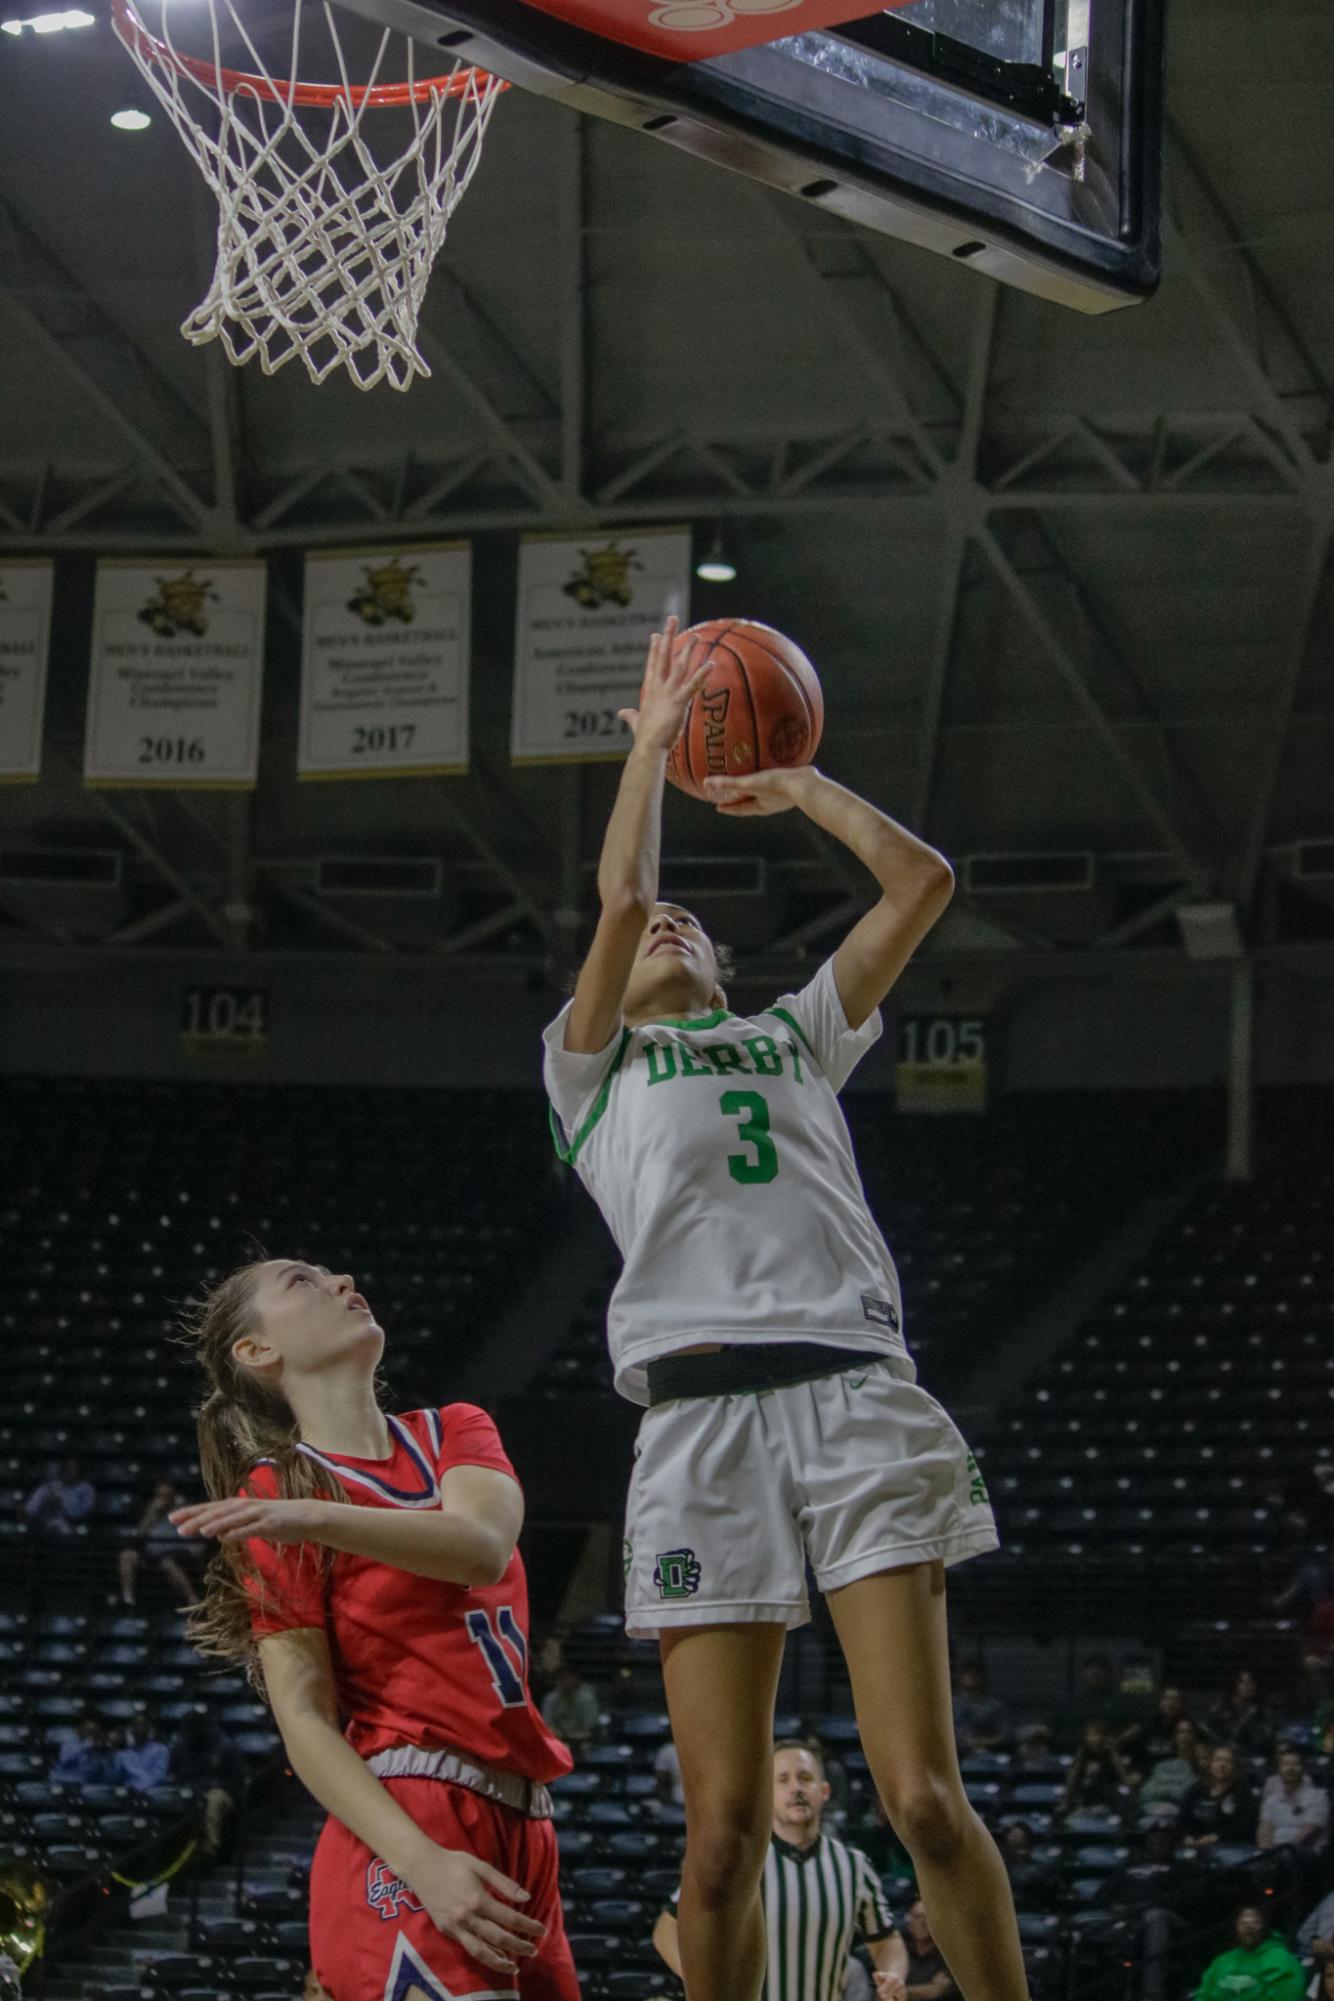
412, 1761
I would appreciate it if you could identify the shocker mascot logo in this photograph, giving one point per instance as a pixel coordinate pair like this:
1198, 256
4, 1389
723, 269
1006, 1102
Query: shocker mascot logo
179, 605
677, 1573
386, 593
604, 579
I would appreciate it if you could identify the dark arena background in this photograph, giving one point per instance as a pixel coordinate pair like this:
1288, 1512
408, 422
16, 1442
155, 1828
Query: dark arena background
308, 726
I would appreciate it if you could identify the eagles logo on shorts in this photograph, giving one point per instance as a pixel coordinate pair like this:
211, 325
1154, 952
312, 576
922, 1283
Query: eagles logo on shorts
677, 1573
387, 1893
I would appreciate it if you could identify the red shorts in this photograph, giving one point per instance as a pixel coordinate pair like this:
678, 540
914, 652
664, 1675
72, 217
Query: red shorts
370, 1939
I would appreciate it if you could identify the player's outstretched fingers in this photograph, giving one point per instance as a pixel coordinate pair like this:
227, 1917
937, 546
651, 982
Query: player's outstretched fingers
511, 1944
487, 1954
524, 1933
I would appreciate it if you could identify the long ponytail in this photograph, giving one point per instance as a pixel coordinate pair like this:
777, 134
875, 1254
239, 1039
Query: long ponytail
242, 1421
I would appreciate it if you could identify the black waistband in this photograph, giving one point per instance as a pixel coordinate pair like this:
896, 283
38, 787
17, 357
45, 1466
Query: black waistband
745, 1370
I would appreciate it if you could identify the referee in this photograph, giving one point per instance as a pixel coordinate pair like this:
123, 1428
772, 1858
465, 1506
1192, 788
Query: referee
818, 1895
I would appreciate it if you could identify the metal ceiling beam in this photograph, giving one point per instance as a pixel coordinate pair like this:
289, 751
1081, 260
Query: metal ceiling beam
529, 469
1134, 927
874, 365
1204, 238
489, 335
1306, 612
954, 557
672, 502
152, 854
1178, 772
500, 868
134, 398
1072, 675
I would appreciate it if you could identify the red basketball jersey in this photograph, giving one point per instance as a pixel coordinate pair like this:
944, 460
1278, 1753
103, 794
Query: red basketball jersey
416, 1661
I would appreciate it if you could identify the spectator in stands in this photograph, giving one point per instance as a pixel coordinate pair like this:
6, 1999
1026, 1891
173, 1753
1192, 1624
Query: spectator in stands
156, 1542
980, 1722
1318, 1639
1173, 1777
143, 1764
1315, 1940
1034, 1744
1100, 1772
1243, 1718
1156, 1737
928, 1977
1259, 1966
204, 1758
1096, 1699
84, 1758
1034, 1883
1158, 1870
1220, 1807
1148, 1891
62, 1501
572, 1707
1294, 1812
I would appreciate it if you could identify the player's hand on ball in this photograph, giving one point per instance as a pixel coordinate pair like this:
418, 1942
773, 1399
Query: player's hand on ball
670, 679
472, 1902
762, 792
240, 1519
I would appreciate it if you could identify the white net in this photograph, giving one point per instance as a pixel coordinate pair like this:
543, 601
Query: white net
324, 246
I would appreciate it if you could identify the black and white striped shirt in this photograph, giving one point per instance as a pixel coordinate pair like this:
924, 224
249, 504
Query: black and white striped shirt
817, 1901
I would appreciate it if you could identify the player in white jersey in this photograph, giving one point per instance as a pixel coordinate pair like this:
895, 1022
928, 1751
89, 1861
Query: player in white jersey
758, 1317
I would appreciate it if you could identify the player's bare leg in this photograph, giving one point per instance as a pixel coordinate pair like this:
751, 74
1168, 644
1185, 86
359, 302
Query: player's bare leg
721, 1682
907, 1732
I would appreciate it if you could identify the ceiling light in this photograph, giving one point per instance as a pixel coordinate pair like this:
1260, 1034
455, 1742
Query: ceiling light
716, 568
131, 121
49, 24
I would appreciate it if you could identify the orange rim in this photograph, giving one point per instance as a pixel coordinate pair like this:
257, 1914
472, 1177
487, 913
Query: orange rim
277, 90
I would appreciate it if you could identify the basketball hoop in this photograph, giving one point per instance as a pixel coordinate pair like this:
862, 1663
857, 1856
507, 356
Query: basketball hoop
324, 251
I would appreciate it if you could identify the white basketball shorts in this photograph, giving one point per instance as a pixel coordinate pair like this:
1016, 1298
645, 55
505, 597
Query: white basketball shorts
858, 1472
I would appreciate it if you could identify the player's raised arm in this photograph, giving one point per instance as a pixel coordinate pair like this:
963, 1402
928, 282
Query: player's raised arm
468, 1540
916, 883
628, 869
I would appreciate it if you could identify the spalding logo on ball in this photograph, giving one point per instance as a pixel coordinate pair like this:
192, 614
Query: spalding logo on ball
760, 706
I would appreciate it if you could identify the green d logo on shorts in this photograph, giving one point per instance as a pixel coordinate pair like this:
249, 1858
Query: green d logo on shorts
676, 1573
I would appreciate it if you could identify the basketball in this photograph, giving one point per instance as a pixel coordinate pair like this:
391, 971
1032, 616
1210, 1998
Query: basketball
760, 707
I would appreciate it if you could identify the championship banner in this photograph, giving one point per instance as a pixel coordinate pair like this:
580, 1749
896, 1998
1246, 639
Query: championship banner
587, 608
942, 1063
25, 642
384, 663
177, 671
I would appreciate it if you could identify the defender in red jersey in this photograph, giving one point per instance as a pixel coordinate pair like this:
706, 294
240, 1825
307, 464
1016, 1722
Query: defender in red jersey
368, 1568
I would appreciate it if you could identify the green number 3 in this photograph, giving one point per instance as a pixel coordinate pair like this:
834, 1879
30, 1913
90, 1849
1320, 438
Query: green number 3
753, 1112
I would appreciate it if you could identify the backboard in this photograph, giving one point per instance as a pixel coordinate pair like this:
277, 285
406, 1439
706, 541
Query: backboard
1021, 137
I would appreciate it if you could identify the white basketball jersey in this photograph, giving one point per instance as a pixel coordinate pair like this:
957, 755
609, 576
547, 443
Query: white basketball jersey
716, 1150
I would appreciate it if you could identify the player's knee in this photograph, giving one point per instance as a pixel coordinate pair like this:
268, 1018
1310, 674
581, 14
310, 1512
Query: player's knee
724, 1856
929, 1813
